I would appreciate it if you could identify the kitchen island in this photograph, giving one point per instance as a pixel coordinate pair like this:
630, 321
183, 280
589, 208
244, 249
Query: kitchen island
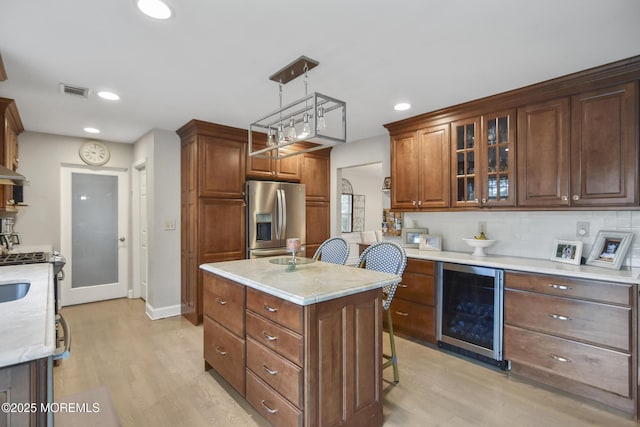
303, 345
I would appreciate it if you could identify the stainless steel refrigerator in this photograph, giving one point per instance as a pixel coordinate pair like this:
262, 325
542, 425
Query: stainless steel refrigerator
275, 212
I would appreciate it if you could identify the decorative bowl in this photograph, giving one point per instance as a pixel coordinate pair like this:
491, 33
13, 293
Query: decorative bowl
479, 245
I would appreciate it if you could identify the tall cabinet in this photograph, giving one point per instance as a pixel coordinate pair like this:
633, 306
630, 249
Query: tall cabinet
212, 204
315, 175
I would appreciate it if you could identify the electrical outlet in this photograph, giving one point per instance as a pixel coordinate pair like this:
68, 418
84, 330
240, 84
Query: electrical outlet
582, 229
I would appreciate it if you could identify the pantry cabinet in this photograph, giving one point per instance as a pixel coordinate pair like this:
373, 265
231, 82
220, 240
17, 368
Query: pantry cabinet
573, 334
315, 175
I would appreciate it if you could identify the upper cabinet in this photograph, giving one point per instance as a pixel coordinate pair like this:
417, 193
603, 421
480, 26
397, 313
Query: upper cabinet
420, 168
567, 143
287, 169
10, 127
604, 147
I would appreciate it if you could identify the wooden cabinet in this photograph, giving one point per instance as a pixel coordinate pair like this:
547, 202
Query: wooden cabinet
544, 154
10, 127
604, 147
577, 335
212, 204
305, 365
315, 175
413, 309
24, 387
287, 169
483, 158
420, 169
577, 146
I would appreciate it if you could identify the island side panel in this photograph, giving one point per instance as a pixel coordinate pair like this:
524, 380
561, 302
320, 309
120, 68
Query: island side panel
344, 361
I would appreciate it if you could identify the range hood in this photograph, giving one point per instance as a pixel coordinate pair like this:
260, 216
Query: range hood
9, 177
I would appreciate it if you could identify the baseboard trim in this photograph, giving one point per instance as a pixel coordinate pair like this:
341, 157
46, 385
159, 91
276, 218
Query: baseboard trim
162, 312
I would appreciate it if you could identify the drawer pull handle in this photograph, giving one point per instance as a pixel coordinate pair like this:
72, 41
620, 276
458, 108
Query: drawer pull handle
560, 287
401, 313
220, 301
559, 317
560, 358
221, 351
403, 286
269, 371
265, 406
270, 309
269, 337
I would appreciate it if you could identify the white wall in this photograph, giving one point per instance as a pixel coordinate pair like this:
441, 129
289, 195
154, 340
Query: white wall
41, 156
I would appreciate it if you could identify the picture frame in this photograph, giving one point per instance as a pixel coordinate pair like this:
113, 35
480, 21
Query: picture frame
567, 251
430, 242
411, 237
386, 184
609, 249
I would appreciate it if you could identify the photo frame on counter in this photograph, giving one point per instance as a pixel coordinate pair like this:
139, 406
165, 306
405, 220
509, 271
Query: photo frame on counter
610, 249
430, 242
411, 236
567, 251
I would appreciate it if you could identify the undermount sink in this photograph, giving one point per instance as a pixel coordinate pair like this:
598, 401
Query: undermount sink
13, 291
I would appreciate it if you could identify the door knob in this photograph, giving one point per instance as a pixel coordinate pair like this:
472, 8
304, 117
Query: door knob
121, 239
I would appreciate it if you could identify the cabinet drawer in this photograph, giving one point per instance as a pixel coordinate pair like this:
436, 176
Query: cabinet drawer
413, 320
275, 337
224, 302
597, 323
225, 353
282, 375
270, 404
615, 293
420, 266
417, 288
605, 369
275, 309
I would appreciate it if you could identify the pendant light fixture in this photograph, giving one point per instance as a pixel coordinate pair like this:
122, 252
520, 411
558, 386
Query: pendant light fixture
314, 118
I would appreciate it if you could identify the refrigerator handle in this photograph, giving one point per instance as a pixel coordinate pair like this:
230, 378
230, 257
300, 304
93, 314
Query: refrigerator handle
284, 214
278, 214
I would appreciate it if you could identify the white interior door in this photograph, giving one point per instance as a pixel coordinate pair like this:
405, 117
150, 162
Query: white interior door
144, 235
94, 222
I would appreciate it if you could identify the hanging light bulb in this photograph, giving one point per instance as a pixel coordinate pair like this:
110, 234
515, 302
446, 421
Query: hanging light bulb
271, 141
280, 133
306, 129
322, 124
291, 133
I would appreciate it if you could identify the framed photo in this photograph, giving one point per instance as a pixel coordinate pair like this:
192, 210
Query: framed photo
386, 184
411, 237
609, 249
567, 251
430, 242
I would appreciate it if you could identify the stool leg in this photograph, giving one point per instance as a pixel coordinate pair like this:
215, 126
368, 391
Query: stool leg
394, 358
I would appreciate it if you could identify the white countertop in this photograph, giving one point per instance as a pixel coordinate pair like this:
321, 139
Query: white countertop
307, 284
530, 265
27, 325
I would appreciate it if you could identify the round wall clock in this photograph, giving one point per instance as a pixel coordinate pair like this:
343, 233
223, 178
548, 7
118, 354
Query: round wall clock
94, 153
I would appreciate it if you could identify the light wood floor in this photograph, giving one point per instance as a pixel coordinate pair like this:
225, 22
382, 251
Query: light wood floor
155, 373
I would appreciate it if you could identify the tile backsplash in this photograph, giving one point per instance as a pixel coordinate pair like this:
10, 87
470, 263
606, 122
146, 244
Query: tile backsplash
527, 234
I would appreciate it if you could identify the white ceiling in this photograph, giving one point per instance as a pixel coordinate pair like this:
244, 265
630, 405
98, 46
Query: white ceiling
212, 60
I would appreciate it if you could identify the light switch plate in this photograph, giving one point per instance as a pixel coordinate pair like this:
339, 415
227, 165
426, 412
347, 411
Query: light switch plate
169, 224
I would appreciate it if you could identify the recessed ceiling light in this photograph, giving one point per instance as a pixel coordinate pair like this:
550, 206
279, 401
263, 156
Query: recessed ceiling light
92, 130
154, 8
109, 96
403, 106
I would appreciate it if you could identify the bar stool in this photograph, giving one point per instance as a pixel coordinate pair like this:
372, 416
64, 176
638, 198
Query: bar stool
388, 257
334, 250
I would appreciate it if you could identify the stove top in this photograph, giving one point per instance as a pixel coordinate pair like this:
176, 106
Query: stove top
24, 258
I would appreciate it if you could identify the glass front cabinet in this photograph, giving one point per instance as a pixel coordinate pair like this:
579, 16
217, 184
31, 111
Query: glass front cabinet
484, 160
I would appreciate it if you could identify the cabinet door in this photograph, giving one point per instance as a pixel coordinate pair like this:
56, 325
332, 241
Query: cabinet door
604, 147
259, 167
221, 231
405, 167
222, 167
315, 175
317, 225
498, 161
543, 154
288, 169
434, 167
464, 163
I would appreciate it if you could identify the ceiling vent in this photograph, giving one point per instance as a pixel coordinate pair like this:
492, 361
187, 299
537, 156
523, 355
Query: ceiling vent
74, 90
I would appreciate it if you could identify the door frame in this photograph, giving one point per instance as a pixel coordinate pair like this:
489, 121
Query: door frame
99, 292
135, 290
